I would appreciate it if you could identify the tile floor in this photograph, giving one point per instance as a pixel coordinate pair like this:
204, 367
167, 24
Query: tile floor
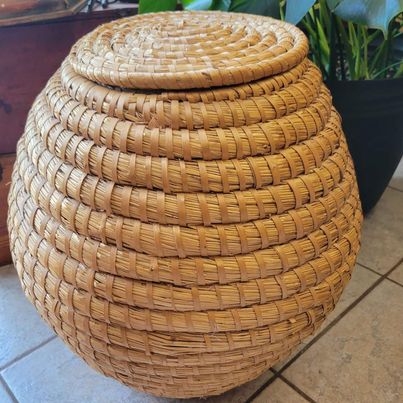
356, 357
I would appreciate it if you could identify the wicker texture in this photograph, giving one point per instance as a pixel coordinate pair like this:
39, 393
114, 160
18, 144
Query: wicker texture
184, 210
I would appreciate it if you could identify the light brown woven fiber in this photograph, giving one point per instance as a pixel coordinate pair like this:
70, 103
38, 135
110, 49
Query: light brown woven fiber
194, 50
184, 210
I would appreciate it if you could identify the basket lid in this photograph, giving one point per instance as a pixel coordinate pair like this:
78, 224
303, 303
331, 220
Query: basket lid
184, 50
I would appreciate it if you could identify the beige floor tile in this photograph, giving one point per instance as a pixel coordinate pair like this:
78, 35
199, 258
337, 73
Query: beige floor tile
382, 235
397, 179
360, 281
279, 392
48, 374
21, 327
397, 274
361, 358
53, 373
237, 395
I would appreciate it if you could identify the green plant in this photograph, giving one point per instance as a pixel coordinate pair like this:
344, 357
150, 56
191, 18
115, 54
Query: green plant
350, 39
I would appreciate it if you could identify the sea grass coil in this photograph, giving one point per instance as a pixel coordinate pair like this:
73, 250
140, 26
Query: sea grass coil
183, 209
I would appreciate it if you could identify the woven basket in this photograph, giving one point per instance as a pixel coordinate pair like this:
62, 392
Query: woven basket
184, 209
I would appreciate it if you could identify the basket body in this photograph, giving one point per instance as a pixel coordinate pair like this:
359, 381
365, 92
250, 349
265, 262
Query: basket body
184, 209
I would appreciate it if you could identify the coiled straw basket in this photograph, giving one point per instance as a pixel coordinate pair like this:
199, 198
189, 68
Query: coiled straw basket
184, 209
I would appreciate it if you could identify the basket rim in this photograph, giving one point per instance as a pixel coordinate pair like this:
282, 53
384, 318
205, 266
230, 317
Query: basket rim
90, 59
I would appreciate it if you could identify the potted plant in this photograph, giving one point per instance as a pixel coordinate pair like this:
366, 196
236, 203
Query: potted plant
356, 45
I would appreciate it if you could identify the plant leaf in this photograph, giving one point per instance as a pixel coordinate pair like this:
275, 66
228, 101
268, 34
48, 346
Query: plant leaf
332, 4
153, 6
197, 4
261, 7
296, 10
222, 5
373, 13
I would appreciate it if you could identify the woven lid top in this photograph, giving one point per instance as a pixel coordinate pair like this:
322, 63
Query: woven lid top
184, 50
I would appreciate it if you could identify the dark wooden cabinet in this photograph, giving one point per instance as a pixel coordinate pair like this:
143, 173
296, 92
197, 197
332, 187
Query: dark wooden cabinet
29, 55
6, 167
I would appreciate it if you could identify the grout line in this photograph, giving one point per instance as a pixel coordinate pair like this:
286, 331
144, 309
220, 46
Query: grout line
396, 189
369, 268
27, 352
375, 272
7, 389
276, 376
296, 389
394, 281
341, 315
259, 390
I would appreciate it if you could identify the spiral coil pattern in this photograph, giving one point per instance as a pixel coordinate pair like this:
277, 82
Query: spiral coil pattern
184, 209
